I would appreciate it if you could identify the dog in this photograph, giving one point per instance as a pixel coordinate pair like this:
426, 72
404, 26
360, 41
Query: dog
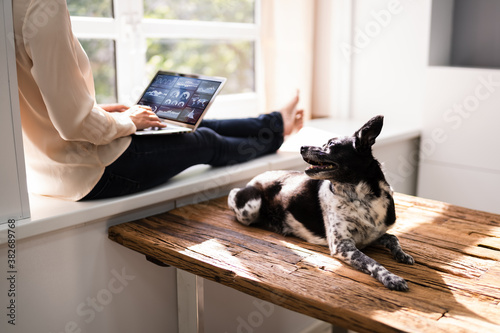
342, 201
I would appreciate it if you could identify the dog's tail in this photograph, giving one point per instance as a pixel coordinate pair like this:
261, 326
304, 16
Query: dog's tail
246, 203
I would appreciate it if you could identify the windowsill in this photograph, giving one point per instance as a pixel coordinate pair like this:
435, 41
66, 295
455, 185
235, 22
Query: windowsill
196, 184
200, 182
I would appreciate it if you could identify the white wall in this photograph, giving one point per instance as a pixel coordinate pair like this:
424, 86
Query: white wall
370, 59
389, 56
61, 275
460, 152
460, 160
331, 72
393, 43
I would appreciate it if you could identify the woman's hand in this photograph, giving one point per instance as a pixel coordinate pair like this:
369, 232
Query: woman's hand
114, 107
143, 117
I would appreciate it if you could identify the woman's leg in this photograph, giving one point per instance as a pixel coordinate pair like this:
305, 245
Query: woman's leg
245, 127
152, 160
291, 120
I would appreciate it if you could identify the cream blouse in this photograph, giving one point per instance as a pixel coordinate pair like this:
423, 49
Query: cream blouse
68, 139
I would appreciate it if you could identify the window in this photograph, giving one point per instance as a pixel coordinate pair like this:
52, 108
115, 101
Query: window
127, 41
231, 59
101, 53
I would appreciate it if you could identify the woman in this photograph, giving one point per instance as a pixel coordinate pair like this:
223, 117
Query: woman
78, 150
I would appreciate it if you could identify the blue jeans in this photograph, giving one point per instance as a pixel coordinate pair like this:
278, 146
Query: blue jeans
151, 160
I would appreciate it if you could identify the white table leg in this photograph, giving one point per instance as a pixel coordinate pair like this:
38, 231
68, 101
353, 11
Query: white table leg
190, 302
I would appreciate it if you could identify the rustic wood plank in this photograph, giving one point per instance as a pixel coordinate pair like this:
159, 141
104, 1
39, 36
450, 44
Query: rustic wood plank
454, 285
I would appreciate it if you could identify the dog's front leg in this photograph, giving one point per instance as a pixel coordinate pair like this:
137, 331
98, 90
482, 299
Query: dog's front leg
392, 243
346, 250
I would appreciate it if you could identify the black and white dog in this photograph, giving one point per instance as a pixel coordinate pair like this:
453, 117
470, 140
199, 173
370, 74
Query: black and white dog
342, 200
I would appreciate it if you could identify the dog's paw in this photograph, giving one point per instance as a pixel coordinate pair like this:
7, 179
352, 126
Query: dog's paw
404, 258
231, 198
245, 203
394, 282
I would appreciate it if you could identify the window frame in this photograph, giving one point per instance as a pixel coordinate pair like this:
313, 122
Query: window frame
130, 30
14, 199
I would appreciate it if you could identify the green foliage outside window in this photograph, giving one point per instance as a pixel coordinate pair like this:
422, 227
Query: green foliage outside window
241, 11
101, 53
231, 59
92, 8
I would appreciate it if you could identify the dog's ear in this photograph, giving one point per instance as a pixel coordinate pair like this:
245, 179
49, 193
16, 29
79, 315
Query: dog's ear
365, 137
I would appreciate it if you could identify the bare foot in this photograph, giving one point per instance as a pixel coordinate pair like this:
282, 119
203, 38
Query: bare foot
293, 119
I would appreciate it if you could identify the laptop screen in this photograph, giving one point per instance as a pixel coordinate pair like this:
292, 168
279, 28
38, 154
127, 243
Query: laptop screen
180, 97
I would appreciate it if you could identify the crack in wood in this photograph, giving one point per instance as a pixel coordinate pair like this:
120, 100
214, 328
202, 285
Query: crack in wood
488, 247
443, 315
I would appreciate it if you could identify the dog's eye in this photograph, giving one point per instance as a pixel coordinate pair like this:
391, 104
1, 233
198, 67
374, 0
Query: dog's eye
333, 142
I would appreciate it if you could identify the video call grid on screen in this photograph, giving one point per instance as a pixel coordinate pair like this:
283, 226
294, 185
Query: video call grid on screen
179, 98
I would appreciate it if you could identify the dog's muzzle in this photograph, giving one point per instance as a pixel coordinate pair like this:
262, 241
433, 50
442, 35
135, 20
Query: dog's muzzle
315, 156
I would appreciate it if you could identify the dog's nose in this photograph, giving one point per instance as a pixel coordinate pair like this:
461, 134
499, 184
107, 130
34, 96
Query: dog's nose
303, 149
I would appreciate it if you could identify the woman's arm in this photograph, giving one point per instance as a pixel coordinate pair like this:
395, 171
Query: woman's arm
62, 72
141, 115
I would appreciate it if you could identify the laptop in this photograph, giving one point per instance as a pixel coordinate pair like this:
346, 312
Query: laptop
179, 100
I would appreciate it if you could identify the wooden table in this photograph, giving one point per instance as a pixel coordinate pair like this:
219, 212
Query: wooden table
454, 284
